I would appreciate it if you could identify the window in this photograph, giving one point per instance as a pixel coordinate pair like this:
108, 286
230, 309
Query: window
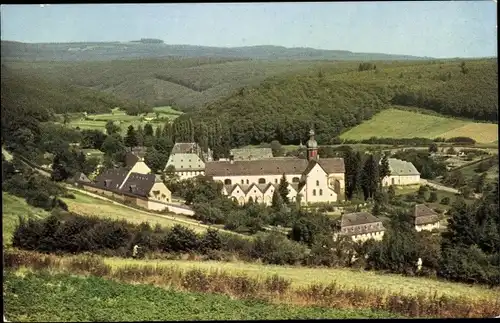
320, 192
262, 181
248, 182
314, 192
189, 166
242, 181
190, 160
227, 181
255, 191
182, 166
317, 183
275, 181
295, 180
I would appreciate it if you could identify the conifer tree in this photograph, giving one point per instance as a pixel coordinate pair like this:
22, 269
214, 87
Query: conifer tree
130, 139
283, 189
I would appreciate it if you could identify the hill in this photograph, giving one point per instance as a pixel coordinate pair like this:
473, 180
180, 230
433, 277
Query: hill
185, 84
394, 123
105, 51
284, 107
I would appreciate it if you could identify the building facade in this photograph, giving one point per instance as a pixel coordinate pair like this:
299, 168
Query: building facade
314, 179
425, 218
361, 226
188, 160
135, 184
402, 173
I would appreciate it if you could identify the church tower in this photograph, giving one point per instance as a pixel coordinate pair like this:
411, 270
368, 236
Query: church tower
312, 147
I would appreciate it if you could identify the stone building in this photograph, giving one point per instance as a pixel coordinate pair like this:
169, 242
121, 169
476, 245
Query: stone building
188, 159
425, 218
315, 179
402, 173
361, 226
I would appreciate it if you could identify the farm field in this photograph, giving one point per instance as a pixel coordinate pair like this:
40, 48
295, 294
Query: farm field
348, 279
395, 123
98, 121
12, 208
46, 297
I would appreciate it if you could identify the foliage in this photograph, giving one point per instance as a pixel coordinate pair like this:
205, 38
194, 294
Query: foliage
97, 301
471, 245
429, 168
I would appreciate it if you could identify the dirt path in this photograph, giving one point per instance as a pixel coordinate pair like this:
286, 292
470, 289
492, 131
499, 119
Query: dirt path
443, 188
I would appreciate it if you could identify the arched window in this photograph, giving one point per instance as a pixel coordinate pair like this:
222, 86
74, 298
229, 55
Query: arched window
295, 180
248, 182
242, 181
314, 192
262, 181
320, 192
227, 181
317, 183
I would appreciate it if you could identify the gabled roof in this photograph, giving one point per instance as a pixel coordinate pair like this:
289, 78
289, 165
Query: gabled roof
401, 167
185, 148
251, 153
332, 165
256, 167
358, 218
261, 187
111, 178
424, 215
139, 184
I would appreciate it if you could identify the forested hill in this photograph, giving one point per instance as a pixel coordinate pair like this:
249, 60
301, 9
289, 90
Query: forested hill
105, 51
284, 107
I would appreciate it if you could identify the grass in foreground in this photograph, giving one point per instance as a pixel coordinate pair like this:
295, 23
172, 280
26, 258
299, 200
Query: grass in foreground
12, 208
45, 297
304, 276
274, 289
394, 123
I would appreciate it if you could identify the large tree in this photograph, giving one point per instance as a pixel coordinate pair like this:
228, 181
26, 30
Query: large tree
112, 127
155, 160
384, 169
131, 137
370, 177
283, 189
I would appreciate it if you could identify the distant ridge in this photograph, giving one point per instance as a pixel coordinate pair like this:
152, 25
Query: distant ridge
152, 48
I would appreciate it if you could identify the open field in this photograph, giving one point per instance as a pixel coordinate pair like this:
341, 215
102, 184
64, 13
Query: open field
12, 208
86, 204
303, 276
395, 123
47, 297
98, 121
90, 206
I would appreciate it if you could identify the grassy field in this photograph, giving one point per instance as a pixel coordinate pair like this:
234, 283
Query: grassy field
90, 206
12, 208
395, 123
303, 276
98, 121
49, 298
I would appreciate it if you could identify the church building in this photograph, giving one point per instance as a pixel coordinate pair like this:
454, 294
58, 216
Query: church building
315, 179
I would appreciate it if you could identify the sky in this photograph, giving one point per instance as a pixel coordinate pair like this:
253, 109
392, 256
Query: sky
422, 28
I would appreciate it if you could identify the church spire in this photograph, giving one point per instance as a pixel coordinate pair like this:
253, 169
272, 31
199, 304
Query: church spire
312, 147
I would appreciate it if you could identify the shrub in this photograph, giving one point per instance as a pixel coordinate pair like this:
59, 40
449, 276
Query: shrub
445, 201
181, 239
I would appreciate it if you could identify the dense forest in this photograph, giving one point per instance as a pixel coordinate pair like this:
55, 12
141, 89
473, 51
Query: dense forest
332, 101
240, 102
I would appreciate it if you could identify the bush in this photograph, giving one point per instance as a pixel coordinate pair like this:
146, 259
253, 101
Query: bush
432, 197
181, 239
